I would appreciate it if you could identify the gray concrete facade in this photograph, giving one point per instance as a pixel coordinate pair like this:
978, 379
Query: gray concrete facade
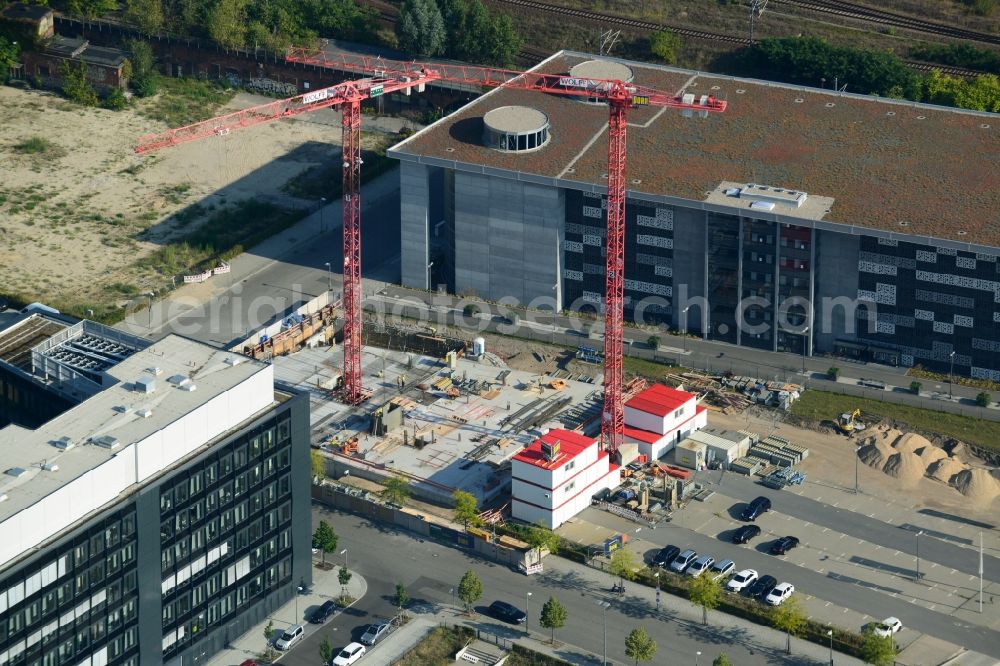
508, 236
689, 269
414, 213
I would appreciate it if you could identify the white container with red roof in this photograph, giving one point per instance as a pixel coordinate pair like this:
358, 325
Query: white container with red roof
660, 417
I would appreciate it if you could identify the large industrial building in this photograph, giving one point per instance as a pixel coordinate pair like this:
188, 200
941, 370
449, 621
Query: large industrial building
800, 220
161, 513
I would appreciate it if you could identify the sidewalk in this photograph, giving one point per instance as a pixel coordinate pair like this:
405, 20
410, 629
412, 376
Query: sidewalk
325, 586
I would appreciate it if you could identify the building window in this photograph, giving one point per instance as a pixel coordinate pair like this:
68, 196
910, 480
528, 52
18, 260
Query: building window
570, 486
570, 465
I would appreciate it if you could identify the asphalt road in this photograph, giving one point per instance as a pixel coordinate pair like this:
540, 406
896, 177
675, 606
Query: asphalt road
860, 526
875, 600
430, 571
347, 626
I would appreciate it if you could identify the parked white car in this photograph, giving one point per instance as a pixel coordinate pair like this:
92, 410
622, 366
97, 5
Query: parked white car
742, 580
350, 655
290, 637
780, 592
888, 627
700, 566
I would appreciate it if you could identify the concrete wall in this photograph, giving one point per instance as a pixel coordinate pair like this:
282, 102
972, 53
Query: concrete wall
511, 229
837, 276
414, 213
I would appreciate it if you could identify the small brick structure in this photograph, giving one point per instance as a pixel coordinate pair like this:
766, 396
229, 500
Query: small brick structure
105, 65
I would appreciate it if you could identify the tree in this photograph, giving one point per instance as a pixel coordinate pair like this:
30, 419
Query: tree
317, 465
75, 85
623, 564
420, 28
553, 616
325, 539
396, 490
504, 42
706, 592
147, 15
269, 631
143, 80
91, 8
640, 646
789, 618
541, 537
466, 508
475, 32
453, 12
401, 598
470, 310
326, 650
664, 44
653, 342
227, 23
915, 387
722, 660
984, 399
344, 577
470, 589
833, 373
877, 650
10, 54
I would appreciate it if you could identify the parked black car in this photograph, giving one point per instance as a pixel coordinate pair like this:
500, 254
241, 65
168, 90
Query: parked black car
501, 610
756, 508
763, 587
323, 613
665, 556
745, 533
783, 545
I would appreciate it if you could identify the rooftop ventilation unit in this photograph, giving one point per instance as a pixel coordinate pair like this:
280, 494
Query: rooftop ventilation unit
63, 444
145, 385
156, 371
144, 413
3, 497
16, 472
106, 442
50, 467
550, 451
233, 360
179, 380
773, 195
189, 387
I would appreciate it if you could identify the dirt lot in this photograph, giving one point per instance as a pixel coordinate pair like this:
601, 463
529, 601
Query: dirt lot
79, 208
831, 461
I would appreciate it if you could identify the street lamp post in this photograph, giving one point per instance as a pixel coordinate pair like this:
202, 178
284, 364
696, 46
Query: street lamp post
829, 632
918, 554
805, 347
149, 320
657, 577
697, 657
527, 614
951, 375
684, 330
329, 276
430, 284
605, 605
344, 553
857, 455
298, 591
322, 205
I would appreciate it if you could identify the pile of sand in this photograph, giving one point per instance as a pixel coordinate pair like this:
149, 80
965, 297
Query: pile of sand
978, 485
931, 454
875, 453
910, 442
890, 435
905, 466
945, 469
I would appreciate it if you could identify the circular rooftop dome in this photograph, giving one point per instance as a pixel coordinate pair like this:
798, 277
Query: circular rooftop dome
515, 128
601, 69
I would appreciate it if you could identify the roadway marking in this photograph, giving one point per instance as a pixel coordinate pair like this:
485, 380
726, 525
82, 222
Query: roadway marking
836, 504
897, 553
933, 565
878, 547
842, 535
825, 530
952, 571
827, 605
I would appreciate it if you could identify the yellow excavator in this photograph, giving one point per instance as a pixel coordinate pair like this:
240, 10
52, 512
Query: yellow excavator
848, 423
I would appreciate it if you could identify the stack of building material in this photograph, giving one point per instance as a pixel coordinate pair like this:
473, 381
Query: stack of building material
779, 451
745, 465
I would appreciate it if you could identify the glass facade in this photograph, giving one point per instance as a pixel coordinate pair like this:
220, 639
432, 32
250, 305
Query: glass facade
795, 264
757, 290
225, 533
77, 603
931, 301
723, 276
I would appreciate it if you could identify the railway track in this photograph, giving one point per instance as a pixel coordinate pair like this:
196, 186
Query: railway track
889, 19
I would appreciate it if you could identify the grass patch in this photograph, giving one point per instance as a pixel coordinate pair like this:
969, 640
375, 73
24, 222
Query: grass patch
184, 101
34, 146
223, 236
652, 370
820, 406
327, 181
438, 647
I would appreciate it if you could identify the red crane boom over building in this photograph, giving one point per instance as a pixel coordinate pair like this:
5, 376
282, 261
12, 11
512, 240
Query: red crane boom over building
620, 97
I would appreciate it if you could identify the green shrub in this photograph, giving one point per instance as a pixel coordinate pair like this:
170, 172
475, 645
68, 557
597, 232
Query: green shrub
833, 373
75, 85
915, 387
35, 144
984, 399
115, 100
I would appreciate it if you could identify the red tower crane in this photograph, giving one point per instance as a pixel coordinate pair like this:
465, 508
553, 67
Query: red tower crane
620, 97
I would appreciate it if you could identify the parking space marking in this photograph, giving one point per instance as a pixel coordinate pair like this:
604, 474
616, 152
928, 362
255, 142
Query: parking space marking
825, 530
